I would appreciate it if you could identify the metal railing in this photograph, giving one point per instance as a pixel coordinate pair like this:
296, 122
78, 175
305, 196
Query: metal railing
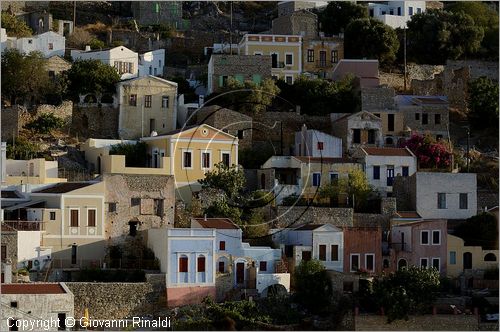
122, 263
25, 225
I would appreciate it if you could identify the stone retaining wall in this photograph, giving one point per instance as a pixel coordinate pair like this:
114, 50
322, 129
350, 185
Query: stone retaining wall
63, 111
299, 215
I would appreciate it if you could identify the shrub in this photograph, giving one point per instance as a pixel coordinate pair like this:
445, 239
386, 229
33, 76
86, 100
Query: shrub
313, 286
136, 155
45, 123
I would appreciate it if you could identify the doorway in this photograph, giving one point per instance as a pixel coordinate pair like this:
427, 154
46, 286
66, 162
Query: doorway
240, 273
467, 260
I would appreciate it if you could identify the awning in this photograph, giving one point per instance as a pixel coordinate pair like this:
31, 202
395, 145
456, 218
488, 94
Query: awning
24, 205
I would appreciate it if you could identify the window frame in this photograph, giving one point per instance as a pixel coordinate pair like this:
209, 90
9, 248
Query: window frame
181, 265
437, 118
52, 213
222, 245
428, 237
439, 201
222, 153
334, 54
376, 175
199, 259
286, 59
373, 262
163, 99
289, 77
263, 266
439, 263
318, 183
426, 262
332, 256
403, 168
454, 260
202, 160
310, 55
94, 210
148, 101
460, 205
184, 151
350, 262
132, 100
71, 217
114, 209
321, 257
320, 145
432, 237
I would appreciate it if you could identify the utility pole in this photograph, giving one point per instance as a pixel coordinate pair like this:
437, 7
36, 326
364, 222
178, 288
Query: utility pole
468, 138
231, 31
404, 51
74, 15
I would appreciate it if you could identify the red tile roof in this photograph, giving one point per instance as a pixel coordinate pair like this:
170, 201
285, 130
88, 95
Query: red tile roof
64, 187
387, 152
218, 223
408, 214
32, 289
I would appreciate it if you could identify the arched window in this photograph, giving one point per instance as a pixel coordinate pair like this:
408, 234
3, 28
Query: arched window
183, 264
386, 263
389, 141
490, 257
402, 264
201, 263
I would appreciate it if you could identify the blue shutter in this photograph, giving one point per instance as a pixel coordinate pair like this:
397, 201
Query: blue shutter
316, 179
376, 172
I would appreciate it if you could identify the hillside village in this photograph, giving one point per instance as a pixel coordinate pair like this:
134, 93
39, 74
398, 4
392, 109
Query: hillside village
293, 165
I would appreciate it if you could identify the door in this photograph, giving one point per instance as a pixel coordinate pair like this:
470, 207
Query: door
262, 181
274, 60
151, 125
240, 273
306, 255
322, 58
467, 260
390, 175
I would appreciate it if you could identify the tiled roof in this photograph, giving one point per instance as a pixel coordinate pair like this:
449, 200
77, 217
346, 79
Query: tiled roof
32, 289
387, 152
64, 187
10, 194
324, 160
408, 214
218, 223
309, 227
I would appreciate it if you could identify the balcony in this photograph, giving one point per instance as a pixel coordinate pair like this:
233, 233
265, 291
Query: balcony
24, 225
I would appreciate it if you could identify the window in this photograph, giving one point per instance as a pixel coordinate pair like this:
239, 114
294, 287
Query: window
377, 115
463, 201
201, 264
205, 159
453, 257
257, 53
222, 81
183, 264
354, 262
222, 268
490, 257
111, 207
322, 252
263, 266
410, 11
441, 201
51, 46
335, 252
371, 136
289, 79
390, 122
370, 262
436, 237
425, 119
132, 225
132, 101
150, 70
289, 59
13, 304
135, 201
356, 136
335, 56
186, 159
406, 170
4, 253
316, 179
226, 158
391, 11
419, 10
155, 71
437, 118
399, 11
164, 102
417, 116
310, 55
147, 101
376, 172
241, 134
333, 177
222, 245
423, 262
159, 63
257, 79
424, 237
52, 215
320, 145
306, 255
74, 218
436, 263
52, 74
91, 218
124, 67
30, 41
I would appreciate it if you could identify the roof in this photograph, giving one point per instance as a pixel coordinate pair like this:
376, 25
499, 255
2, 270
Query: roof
128, 80
409, 100
309, 227
10, 194
408, 214
61, 188
24, 204
42, 288
185, 128
218, 223
306, 159
403, 152
357, 67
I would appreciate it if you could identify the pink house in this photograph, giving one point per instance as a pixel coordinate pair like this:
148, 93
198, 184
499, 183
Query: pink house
421, 243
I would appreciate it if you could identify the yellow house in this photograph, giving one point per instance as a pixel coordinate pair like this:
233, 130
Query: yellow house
190, 153
462, 258
393, 129
34, 171
321, 55
285, 52
147, 104
73, 221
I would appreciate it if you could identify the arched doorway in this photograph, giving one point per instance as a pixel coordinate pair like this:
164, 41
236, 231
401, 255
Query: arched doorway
490, 257
467, 260
402, 264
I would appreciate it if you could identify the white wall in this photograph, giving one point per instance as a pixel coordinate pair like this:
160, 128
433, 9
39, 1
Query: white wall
152, 63
266, 280
383, 161
120, 53
394, 20
27, 244
41, 43
308, 145
329, 238
157, 241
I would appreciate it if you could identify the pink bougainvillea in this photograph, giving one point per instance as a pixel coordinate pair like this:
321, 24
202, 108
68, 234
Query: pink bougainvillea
430, 154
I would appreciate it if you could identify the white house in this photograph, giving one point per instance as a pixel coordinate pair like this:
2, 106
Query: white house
123, 59
49, 43
395, 13
152, 63
381, 165
314, 143
324, 242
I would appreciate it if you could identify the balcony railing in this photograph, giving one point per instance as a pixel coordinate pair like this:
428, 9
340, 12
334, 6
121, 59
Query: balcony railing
23, 225
124, 263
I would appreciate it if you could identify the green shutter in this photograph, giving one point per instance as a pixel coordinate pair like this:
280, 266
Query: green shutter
239, 78
221, 81
256, 79
157, 7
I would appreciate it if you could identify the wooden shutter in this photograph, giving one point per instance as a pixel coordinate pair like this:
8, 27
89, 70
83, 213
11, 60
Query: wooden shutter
183, 264
322, 252
335, 252
222, 245
74, 218
91, 218
201, 264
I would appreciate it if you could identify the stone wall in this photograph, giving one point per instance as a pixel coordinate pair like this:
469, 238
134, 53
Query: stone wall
299, 215
223, 286
402, 190
9, 239
63, 111
418, 323
476, 68
115, 300
89, 120
378, 98
371, 220
486, 199
13, 120
302, 23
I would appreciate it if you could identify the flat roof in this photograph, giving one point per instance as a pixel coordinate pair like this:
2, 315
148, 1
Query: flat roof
42, 288
308, 227
403, 152
64, 187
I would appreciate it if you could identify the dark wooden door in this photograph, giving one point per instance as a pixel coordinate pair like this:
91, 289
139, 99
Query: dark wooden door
467, 260
240, 273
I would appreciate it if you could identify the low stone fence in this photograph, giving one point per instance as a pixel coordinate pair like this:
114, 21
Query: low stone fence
299, 215
418, 323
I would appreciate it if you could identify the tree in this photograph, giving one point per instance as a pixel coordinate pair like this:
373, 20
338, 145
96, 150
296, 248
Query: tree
338, 14
479, 230
24, 77
45, 123
23, 149
313, 286
429, 152
371, 39
96, 44
79, 38
14, 26
483, 103
406, 291
231, 180
92, 76
436, 36
136, 154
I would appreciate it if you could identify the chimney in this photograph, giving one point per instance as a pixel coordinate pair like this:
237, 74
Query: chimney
87, 48
205, 217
